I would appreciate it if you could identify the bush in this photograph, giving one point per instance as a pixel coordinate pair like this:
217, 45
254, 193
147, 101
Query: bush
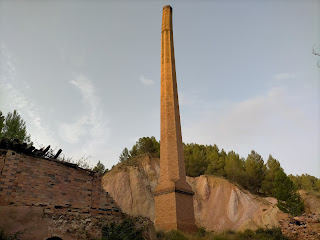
271, 234
160, 234
126, 230
175, 235
202, 234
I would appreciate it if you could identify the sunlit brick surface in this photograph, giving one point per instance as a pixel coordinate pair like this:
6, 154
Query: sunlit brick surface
173, 196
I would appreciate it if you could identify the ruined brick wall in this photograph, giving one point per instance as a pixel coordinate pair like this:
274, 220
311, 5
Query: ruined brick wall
65, 197
2, 157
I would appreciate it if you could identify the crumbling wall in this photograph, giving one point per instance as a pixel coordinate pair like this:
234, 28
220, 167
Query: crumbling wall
47, 198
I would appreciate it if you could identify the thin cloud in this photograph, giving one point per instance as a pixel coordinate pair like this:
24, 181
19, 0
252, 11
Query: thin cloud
15, 99
87, 90
91, 124
264, 123
240, 121
146, 81
192, 99
90, 130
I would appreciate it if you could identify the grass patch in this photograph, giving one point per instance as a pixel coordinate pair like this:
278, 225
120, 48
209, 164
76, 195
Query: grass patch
201, 234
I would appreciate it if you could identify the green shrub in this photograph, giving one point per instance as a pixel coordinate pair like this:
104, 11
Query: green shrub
175, 235
160, 234
126, 230
218, 237
271, 234
201, 234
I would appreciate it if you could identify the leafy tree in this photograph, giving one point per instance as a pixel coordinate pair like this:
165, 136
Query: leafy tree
100, 168
134, 151
306, 182
234, 167
145, 145
14, 127
288, 198
195, 159
216, 161
273, 166
254, 171
125, 155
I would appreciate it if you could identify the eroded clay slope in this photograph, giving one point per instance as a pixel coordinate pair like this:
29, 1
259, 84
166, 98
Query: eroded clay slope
219, 205
311, 202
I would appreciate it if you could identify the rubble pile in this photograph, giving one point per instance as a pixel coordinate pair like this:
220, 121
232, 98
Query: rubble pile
306, 227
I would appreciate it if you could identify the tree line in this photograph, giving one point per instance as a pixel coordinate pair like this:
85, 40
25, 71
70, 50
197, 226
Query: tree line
251, 173
306, 182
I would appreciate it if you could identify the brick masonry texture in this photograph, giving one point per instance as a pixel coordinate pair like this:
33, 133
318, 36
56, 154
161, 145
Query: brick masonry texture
173, 195
64, 199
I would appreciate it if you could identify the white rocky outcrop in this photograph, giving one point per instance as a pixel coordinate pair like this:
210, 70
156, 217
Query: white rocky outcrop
219, 205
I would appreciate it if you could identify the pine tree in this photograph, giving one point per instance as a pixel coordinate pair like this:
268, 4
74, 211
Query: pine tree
195, 159
146, 145
288, 198
273, 166
254, 171
234, 167
216, 162
14, 127
100, 168
124, 155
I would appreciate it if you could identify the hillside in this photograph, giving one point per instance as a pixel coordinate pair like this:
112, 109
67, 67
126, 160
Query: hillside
311, 201
219, 205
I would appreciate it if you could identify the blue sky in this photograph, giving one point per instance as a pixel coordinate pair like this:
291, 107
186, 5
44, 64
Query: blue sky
85, 75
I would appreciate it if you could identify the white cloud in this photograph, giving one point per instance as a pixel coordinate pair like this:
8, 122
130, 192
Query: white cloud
146, 81
36, 127
13, 98
91, 124
87, 90
90, 133
72, 132
257, 116
284, 76
269, 124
